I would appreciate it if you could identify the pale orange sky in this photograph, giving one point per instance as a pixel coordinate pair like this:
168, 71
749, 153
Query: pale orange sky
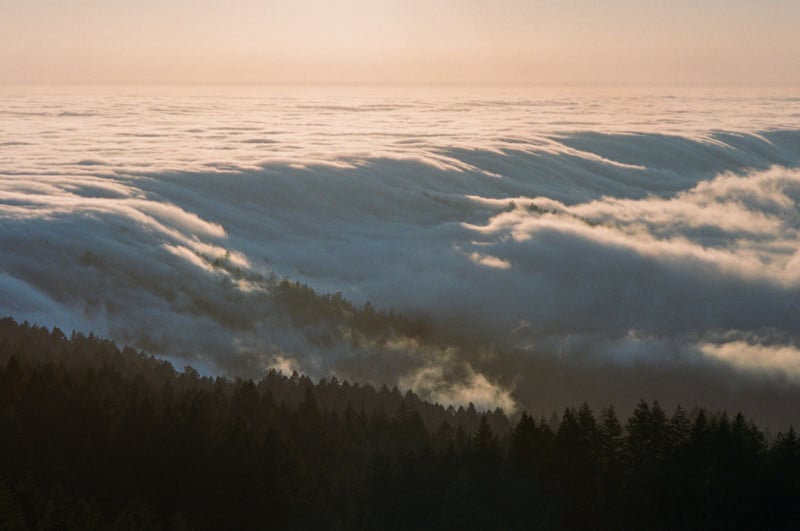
733, 42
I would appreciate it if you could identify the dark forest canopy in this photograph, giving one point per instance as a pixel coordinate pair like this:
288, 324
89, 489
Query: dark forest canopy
93, 436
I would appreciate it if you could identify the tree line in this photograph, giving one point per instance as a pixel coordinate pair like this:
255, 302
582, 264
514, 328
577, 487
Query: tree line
96, 437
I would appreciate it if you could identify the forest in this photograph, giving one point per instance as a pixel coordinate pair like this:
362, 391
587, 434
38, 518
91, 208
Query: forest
94, 436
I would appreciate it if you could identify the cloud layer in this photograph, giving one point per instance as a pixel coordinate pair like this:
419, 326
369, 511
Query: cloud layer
555, 268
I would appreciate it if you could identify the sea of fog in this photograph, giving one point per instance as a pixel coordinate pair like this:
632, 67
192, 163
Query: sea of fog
573, 245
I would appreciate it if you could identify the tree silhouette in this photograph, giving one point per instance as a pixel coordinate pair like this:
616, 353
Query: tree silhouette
97, 437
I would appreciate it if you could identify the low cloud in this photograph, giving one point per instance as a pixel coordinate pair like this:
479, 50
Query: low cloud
624, 267
777, 360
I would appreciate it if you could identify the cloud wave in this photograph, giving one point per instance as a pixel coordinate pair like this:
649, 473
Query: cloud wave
535, 258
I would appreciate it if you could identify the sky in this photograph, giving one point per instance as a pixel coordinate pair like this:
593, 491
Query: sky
545, 42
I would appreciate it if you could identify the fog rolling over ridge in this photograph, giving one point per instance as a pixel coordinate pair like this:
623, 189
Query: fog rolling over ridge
562, 246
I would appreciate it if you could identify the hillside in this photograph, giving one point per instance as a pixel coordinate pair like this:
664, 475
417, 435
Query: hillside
93, 436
